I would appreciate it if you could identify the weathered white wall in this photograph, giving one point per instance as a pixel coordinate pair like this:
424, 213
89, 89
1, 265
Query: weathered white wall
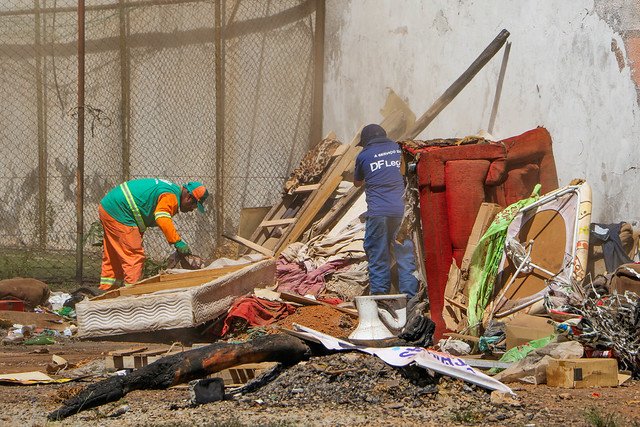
562, 74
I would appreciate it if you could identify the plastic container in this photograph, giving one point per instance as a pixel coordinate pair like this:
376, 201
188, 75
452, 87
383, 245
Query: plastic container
12, 305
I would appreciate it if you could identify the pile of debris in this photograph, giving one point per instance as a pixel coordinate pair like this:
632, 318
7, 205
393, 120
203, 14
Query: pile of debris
504, 256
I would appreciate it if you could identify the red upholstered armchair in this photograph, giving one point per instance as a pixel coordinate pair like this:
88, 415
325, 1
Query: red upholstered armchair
454, 181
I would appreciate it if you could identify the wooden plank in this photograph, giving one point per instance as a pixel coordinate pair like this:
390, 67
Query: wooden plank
306, 188
398, 118
337, 210
248, 243
250, 219
308, 301
285, 208
462, 337
153, 352
342, 148
127, 352
276, 222
205, 272
456, 303
316, 200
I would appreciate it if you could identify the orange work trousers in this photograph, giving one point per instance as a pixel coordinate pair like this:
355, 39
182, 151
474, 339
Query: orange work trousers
122, 255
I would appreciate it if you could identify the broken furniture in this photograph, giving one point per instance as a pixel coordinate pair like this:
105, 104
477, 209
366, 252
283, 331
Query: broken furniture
547, 241
454, 180
288, 219
302, 203
186, 301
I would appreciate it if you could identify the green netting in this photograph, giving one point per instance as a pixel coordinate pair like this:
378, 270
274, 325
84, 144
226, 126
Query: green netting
486, 259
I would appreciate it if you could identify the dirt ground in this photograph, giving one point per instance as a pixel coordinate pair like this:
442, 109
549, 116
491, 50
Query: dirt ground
345, 389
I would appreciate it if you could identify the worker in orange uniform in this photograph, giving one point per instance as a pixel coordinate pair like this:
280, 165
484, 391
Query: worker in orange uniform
125, 213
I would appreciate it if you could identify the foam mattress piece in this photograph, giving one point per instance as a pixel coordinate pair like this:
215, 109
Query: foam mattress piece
169, 309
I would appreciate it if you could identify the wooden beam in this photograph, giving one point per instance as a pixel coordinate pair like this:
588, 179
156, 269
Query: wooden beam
332, 178
457, 86
285, 207
205, 273
342, 148
496, 98
184, 367
251, 245
306, 188
330, 181
276, 222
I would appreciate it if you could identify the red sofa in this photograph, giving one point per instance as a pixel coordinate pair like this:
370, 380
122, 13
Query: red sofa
454, 180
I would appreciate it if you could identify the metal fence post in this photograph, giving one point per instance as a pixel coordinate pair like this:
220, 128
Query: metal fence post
220, 118
80, 168
125, 91
318, 75
42, 143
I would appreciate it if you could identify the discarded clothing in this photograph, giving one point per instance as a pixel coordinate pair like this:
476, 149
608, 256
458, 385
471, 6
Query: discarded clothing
350, 282
257, 312
609, 236
31, 291
294, 277
305, 268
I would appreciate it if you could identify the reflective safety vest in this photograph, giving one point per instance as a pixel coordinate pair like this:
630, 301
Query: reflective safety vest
134, 202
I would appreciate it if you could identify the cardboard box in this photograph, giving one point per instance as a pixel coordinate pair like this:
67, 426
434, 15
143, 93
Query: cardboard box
523, 328
582, 373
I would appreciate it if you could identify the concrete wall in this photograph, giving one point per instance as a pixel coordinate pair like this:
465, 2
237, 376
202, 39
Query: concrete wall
574, 68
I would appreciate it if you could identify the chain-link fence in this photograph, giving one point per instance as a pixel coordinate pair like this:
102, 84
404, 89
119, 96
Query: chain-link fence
215, 91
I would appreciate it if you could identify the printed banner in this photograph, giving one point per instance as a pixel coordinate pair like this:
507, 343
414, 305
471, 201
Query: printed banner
401, 356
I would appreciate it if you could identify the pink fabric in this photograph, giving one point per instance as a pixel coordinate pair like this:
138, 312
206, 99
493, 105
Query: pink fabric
293, 277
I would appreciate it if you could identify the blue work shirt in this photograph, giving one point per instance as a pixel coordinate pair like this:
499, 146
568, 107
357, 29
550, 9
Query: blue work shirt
378, 164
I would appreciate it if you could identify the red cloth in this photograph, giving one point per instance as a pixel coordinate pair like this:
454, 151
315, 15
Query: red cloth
331, 300
256, 311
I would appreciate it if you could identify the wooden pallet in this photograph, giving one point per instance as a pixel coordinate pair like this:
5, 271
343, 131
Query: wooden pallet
288, 220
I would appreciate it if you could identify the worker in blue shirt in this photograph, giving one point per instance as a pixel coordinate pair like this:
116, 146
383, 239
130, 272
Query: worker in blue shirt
378, 168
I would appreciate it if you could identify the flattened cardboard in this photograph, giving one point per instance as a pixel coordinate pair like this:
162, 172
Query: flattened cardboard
523, 328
